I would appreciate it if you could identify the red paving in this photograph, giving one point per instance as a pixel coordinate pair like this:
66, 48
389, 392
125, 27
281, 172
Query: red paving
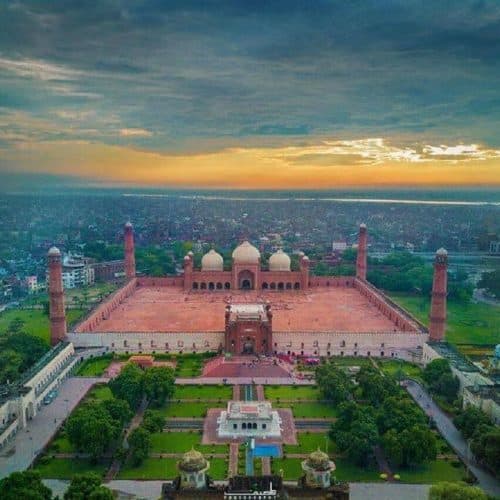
210, 428
244, 367
170, 309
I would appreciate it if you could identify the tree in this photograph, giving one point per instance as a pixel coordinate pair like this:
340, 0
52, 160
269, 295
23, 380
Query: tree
355, 431
399, 413
119, 410
375, 388
29, 347
87, 486
440, 379
456, 491
411, 447
491, 282
91, 429
25, 485
15, 326
486, 446
153, 421
333, 383
129, 385
10, 366
159, 384
470, 419
140, 443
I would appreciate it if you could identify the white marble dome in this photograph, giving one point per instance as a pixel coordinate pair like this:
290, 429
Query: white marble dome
246, 253
212, 261
279, 261
54, 252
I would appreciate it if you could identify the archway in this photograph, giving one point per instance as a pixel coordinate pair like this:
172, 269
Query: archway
246, 280
265, 286
249, 346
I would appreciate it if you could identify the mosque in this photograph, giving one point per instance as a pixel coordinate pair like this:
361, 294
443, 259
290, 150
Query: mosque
250, 309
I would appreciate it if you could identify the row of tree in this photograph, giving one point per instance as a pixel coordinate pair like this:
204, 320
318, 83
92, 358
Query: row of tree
440, 380
375, 411
29, 485
484, 437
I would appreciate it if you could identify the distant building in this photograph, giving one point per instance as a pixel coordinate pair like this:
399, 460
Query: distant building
77, 272
494, 248
339, 246
33, 285
112, 270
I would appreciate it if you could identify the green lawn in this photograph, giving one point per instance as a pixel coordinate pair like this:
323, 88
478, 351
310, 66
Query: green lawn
434, 472
218, 468
291, 467
223, 392
310, 409
36, 322
186, 410
189, 365
308, 442
392, 367
291, 392
100, 391
180, 442
60, 445
94, 367
151, 468
467, 323
64, 468
350, 361
346, 471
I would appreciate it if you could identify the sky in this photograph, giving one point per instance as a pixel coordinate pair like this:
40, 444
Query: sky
251, 94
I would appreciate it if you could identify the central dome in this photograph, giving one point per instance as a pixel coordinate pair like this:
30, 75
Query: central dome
246, 253
279, 261
212, 261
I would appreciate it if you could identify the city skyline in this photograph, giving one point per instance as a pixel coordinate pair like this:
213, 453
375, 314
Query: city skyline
263, 95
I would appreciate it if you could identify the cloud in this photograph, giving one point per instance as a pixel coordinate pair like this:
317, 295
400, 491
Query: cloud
135, 132
39, 70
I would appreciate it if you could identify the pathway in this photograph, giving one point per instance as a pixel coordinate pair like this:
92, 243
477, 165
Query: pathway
446, 427
260, 393
30, 441
243, 380
234, 449
236, 392
266, 466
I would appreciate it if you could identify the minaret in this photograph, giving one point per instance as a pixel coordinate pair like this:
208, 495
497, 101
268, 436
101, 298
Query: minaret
437, 324
188, 271
361, 258
56, 297
129, 251
304, 263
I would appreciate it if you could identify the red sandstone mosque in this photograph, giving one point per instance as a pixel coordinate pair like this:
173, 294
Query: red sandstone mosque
251, 310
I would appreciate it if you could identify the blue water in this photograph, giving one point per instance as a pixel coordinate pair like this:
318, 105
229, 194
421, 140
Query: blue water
266, 450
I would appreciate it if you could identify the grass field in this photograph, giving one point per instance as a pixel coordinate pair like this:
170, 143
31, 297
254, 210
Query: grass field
310, 409
94, 367
180, 442
186, 410
392, 367
467, 323
60, 445
100, 391
434, 472
223, 392
308, 442
151, 468
291, 467
36, 322
218, 468
346, 471
291, 392
65, 468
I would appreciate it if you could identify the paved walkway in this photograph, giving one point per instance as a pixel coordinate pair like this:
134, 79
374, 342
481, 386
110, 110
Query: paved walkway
151, 490
233, 458
446, 427
30, 441
244, 380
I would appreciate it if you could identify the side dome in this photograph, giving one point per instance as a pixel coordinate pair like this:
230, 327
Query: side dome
212, 261
192, 461
279, 261
54, 252
246, 253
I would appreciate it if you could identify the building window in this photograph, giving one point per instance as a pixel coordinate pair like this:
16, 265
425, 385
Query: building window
341, 353
382, 354
264, 426
235, 426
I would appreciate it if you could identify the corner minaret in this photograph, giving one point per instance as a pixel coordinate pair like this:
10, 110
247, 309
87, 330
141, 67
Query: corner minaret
129, 251
437, 324
361, 258
56, 297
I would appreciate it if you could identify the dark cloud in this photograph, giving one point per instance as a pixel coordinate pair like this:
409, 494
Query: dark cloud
211, 69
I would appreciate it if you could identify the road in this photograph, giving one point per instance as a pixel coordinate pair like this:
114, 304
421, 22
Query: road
31, 440
446, 427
